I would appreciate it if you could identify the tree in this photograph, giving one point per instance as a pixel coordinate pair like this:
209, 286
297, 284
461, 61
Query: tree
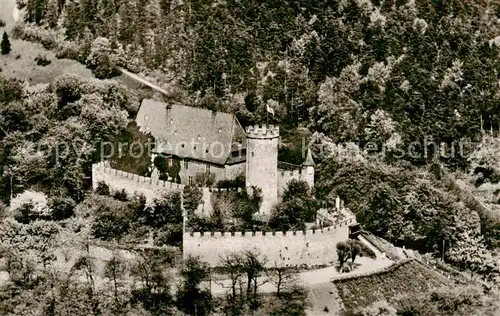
191, 298
115, 270
233, 266
111, 219
343, 253
283, 278
38, 11
99, 60
296, 209
154, 291
354, 249
5, 45
61, 207
192, 197
52, 14
204, 179
253, 266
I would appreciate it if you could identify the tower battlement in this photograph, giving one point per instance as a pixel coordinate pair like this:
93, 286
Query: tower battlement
264, 131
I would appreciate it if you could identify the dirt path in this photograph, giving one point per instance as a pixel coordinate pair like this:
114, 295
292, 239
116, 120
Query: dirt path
143, 81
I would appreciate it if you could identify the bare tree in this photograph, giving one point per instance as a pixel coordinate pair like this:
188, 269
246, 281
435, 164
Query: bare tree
115, 270
233, 267
254, 268
282, 277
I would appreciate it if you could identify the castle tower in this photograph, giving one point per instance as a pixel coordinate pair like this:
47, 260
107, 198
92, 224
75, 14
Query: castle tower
308, 169
262, 164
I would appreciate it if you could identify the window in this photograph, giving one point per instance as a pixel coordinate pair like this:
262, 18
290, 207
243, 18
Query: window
190, 180
185, 164
208, 168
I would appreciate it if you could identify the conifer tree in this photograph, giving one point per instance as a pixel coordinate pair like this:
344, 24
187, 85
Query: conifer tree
38, 11
52, 13
5, 45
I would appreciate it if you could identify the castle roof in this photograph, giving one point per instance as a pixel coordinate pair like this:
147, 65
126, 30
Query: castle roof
309, 159
190, 132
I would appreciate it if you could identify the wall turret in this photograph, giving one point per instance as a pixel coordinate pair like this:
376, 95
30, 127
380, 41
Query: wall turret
262, 163
308, 169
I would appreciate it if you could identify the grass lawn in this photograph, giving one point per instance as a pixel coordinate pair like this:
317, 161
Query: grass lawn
21, 64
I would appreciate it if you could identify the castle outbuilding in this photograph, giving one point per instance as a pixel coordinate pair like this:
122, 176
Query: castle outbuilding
201, 141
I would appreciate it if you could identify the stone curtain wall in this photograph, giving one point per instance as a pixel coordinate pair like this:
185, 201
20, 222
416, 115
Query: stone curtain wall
285, 176
301, 248
118, 180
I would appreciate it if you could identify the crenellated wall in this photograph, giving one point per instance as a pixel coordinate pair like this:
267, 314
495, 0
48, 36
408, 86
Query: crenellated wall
118, 180
293, 248
304, 174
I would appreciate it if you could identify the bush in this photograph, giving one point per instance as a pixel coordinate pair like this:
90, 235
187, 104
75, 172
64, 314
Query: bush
2, 23
102, 188
99, 60
238, 182
68, 50
35, 34
42, 61
121, 195
62, 207
112, 221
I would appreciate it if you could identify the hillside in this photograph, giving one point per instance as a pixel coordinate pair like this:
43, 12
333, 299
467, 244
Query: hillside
411, 287
406, 278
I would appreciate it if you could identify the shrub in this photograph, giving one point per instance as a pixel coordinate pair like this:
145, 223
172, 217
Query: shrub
204, 179
111, 221
62, 207
2, 23
121, 195
68, 50
102, 188
99, 60
35, 34
238, 182
42, 61
30, 206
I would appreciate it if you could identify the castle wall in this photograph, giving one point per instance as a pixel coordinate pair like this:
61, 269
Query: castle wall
232, 171
118, 180
195, 167
285, 176
205, 208
309, 248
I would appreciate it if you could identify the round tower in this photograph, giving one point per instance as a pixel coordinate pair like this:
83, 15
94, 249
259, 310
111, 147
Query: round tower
262, 164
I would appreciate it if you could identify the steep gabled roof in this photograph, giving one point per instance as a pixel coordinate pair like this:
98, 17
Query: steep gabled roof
309, 159
190, 132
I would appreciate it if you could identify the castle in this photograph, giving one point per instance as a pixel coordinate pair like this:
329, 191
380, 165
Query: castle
201, 141
195, 141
